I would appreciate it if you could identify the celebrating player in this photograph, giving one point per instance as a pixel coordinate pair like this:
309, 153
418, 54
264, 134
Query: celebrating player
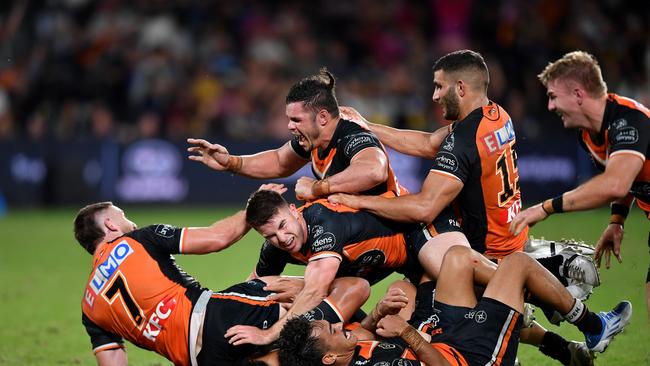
345, 157
615, 131
136, 291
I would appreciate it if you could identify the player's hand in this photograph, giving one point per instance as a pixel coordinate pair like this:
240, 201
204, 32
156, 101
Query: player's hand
609, 242
350, 200
285, 288
353, 115
214, 156
247, 334
275, 187
527, 217
393, 301
304, 189
391, 326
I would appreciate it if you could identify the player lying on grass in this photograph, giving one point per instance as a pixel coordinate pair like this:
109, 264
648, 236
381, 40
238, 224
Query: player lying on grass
476, 332
136, 291
334, 241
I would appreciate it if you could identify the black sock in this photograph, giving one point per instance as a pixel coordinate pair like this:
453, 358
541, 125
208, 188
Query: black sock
555, 347
553, 264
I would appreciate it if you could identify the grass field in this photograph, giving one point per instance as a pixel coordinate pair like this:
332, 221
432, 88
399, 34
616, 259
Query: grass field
43, 270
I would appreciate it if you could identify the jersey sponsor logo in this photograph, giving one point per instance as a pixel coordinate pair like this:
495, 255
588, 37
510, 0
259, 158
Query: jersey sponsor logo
506, 216
450, 140
314, 314
402, 362
496, 140
325, 242
626, 135
158, 319
105, 270
355, 142
166, 231
361, 362
383, 345
446, 161
317, 230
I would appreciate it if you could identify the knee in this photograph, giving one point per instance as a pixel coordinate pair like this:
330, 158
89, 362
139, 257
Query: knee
356, 285
458, 255
518, 259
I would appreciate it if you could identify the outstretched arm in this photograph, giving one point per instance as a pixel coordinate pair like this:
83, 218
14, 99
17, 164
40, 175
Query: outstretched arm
223, 233
410, 142
280, 162
438, 191
613, 184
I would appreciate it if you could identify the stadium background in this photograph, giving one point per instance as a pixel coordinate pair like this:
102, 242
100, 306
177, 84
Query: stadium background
97, 98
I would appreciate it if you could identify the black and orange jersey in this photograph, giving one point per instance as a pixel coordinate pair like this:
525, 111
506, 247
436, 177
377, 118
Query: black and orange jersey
136, 291
367, 246
625, 130
394, 351
480, 152
348, 140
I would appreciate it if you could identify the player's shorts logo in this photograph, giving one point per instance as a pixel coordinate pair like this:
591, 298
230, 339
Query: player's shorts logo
383, 345
480, 316
402, 362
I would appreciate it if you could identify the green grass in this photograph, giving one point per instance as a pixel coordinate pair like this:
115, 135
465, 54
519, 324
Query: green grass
42, 272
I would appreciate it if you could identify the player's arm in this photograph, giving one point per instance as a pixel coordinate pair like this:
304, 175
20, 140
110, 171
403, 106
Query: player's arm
438, 191
216, 237
410, 142
280, 162
319, 275
612, 237
395, 326
112, 357
367, 169
613, 184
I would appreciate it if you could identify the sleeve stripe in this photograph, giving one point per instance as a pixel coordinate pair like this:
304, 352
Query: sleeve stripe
446, 174
629, 152
326, 255
108, 346
181, 242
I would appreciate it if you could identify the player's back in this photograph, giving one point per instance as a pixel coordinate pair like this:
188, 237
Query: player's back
136, 291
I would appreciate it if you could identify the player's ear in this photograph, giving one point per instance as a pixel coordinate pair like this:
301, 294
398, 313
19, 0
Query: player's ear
328, 359
293, 210
108, 223
323, 116
461, 88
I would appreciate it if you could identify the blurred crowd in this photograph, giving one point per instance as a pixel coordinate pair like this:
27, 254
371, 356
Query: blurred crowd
124, 70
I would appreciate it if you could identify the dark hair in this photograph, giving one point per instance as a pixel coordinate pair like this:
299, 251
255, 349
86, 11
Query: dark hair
86, 230
316, 92
297, 346
261, 206
465, 61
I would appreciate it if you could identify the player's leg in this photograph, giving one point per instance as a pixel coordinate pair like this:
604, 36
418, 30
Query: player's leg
461, 269
647, 280
518, 271
433, 251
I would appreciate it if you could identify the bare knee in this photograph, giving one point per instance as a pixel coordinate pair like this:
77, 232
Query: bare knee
356, 285
459, 255
518, 260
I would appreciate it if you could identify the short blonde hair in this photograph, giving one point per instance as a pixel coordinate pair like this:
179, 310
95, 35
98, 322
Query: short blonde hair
578, 66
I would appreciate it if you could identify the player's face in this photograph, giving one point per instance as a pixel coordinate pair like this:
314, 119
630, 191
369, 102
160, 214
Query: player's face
302, 124
564, 102
333, 338
444, 92
118, 218
285, 230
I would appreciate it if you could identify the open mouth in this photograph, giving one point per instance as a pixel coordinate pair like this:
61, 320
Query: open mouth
288, 243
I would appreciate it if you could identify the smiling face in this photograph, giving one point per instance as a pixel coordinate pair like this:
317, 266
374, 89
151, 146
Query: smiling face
444, 92
285, 230
564, 101
333, 338
302, 124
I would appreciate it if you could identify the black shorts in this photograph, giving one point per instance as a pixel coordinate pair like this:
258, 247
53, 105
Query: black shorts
486, 334
243, 304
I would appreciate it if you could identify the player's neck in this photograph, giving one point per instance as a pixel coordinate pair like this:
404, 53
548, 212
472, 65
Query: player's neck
327, 133
473, 103
594, 112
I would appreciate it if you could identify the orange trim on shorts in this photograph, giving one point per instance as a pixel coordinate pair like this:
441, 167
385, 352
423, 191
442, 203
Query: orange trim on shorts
506, 338
450, 354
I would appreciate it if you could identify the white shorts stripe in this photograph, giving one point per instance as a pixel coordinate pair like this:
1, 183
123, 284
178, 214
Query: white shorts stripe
244, 296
